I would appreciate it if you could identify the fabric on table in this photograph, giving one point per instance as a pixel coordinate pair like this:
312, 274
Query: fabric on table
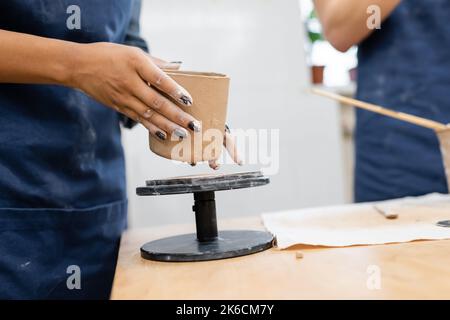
362, 224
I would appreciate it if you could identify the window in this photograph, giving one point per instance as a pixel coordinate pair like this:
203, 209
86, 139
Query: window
338, 68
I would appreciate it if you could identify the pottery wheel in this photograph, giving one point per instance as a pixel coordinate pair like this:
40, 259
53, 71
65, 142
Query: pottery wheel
208, 243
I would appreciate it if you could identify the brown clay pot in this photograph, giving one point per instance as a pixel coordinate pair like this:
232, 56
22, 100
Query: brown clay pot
210, 94
317, 74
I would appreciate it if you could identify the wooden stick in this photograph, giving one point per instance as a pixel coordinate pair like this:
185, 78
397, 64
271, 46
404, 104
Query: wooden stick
430, 124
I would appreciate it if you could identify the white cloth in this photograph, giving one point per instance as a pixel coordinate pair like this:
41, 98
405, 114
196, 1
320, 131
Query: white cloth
362, 224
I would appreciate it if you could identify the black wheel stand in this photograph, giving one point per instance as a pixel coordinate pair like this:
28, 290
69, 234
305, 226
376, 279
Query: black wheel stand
208, 243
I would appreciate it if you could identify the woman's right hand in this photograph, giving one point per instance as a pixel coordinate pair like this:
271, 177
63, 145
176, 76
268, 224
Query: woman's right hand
124, 78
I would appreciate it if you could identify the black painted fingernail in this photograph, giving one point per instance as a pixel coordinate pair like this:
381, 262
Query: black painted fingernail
186, 100
176, 62
160, 135
180, 133
227, 128
194, 126
193, 164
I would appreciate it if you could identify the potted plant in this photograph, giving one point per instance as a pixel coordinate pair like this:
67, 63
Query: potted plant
314, 30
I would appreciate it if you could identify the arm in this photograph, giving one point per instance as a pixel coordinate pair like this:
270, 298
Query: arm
115, 75
345, 21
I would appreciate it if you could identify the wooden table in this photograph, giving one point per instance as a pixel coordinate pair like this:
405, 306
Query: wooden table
417, 270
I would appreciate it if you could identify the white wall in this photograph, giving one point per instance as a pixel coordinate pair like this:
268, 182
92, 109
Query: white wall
259, 44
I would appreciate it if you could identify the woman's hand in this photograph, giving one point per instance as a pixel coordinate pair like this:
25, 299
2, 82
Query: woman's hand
116, 75
120, 77
229, 142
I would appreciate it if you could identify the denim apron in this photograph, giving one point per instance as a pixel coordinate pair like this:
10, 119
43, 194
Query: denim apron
62, 178
404, 66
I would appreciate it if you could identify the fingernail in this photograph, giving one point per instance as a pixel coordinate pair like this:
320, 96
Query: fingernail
183, 96
227, 128
172, 65
193, 164
160, 135
194, 126
186, 100
180, 133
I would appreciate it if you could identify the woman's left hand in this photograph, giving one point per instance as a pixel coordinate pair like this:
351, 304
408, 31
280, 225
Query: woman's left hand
229, 142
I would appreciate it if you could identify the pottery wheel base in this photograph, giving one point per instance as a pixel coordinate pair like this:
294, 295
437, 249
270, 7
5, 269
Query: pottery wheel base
229, 244
208, 243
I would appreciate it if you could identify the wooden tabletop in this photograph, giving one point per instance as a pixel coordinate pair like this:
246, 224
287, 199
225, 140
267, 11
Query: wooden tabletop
416, 270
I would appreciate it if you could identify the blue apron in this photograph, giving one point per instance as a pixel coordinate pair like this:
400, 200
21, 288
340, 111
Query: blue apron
404, 66
62, 179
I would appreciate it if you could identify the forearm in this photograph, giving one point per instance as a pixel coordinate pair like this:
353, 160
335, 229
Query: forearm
345, 21
30, 59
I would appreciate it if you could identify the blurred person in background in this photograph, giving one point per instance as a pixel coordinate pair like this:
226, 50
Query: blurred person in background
405, 66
